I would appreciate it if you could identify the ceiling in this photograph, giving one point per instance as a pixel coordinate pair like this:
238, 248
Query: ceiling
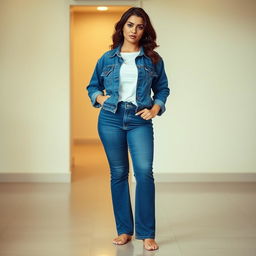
93, 9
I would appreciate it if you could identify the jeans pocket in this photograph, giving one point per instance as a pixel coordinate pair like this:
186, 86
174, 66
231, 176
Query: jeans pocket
138, 117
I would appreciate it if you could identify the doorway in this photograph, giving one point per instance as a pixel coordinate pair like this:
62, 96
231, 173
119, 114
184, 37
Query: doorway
90, 36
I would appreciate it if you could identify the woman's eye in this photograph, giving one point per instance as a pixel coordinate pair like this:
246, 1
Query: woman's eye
131, 25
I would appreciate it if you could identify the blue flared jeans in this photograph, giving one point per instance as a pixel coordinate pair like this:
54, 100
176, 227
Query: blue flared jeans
120, 132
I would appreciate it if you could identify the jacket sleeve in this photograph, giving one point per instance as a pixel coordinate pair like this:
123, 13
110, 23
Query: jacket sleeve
96, 85
160, 86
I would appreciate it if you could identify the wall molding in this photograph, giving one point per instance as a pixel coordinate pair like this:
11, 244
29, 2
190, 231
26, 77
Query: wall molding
36, 177
159, 177
203, 177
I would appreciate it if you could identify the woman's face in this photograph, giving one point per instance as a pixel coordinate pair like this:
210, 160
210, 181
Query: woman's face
133, 29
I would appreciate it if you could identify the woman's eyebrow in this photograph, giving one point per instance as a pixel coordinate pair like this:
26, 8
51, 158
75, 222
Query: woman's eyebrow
133, 23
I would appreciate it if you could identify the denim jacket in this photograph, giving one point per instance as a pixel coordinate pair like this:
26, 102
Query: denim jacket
106, 76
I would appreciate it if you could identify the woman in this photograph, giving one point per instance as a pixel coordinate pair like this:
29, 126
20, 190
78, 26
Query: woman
127, 73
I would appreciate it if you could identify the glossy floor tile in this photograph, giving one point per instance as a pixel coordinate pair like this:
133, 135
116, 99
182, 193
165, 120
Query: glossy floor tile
208, 219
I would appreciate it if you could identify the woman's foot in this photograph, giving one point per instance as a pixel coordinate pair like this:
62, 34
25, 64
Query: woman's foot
122, 239
150, 244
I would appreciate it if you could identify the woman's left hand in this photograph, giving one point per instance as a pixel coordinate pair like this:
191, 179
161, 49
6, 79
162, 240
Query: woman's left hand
149, 113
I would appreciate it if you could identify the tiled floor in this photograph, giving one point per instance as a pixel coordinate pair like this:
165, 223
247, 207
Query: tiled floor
193, 219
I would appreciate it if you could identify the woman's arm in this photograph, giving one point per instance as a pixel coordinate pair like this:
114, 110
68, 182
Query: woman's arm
96, 86
160, 87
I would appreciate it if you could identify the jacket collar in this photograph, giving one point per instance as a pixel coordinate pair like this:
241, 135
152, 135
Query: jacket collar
116, 51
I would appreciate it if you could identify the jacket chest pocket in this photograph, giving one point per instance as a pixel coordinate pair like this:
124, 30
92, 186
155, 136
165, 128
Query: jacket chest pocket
108, 75
150, 72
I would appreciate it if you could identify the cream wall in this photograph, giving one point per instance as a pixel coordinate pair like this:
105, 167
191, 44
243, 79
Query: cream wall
209, 49
209, 53
34, 103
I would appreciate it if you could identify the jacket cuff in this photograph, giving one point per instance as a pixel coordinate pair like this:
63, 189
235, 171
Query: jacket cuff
162, 106
93, 99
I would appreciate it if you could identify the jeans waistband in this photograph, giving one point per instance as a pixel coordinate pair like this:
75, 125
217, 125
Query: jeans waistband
126, 104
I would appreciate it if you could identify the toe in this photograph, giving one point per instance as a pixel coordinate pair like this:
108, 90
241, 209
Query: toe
116, 240
149, 245
122, 239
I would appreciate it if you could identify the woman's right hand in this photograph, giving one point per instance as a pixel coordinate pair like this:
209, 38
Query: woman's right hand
101, 98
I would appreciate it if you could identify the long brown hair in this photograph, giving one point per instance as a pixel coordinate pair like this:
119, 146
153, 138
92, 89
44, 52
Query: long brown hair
148, 40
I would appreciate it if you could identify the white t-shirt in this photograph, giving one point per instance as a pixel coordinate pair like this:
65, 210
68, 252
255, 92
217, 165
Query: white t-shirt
128, 77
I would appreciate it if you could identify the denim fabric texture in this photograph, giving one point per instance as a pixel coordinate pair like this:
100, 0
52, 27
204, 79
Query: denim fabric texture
151, 78
119, 132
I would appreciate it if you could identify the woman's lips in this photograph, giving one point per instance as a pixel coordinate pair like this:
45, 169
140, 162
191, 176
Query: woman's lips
133, 37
